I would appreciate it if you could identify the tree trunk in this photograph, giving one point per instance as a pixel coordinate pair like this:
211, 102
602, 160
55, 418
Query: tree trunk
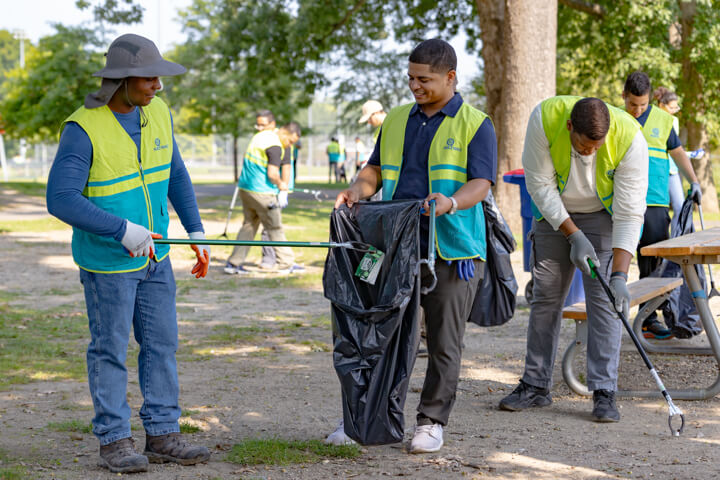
694, 109
235, 157
519, 45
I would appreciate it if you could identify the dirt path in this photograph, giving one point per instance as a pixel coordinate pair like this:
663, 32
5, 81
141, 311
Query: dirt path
278, 381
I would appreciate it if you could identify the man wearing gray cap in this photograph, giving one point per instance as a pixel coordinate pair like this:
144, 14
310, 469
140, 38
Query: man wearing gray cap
116, 166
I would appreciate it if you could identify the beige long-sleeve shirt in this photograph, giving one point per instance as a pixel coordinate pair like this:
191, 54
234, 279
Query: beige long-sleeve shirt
580, 193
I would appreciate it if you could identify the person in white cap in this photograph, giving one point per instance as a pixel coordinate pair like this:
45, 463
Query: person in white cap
374, 115
116, 166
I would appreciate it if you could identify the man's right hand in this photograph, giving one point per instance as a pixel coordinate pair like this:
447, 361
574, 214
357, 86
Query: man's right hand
138, 240
347, 196
581, 250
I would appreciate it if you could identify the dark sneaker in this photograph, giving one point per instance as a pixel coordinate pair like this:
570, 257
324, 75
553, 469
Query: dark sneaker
120, 457
172, 448
604, 408
526, 396
654, 329
232, 269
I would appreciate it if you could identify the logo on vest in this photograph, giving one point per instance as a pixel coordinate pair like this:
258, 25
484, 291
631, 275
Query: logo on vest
655, 133
610, 174
450, 145
158, 146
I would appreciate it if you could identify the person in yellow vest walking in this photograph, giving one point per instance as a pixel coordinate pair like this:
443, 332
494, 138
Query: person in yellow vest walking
663, 143
116, 166
336, 159
438, 148
264, 193
586, 171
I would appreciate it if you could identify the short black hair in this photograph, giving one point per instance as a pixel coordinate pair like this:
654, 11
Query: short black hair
638, 84
292, 127
437, 53
265, 114
590, 117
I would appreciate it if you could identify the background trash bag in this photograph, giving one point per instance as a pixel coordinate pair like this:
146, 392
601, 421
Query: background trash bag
375, 327
679, 311
495, 298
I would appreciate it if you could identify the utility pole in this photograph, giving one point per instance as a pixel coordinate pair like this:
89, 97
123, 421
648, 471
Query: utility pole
20, 35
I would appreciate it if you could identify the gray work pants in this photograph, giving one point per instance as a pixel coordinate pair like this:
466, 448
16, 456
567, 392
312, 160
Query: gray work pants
446, 309
552, 275
256, 210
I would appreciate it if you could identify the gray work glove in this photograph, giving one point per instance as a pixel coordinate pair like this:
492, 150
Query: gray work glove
138, 240
580, 250
618, 287
695, 193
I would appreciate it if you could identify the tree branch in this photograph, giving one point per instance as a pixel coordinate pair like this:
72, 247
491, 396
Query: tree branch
334, 28
594, 9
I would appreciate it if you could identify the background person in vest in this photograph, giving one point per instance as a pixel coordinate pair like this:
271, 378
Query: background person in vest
264, 193
657, 127
586, 171
336, 158
438, 148
668, 101
116, 166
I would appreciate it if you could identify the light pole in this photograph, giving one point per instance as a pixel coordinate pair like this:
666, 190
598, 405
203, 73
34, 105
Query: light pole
20, 35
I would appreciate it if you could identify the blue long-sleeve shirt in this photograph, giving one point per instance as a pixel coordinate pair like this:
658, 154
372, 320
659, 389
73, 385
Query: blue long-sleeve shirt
69, 175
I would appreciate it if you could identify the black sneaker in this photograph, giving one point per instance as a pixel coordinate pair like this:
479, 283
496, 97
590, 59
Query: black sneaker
654, 329
604, 408
525, 396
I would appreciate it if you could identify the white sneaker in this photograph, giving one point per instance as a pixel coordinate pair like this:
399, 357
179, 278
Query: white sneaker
427, 438
338, 437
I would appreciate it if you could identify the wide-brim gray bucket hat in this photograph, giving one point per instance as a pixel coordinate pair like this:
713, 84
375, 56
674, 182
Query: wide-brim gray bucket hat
130, 55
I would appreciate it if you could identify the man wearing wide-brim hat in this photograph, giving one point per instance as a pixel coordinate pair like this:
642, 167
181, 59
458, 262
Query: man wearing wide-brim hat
116, 166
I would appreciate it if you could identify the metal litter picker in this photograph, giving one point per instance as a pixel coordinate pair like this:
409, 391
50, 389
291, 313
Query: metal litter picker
359, 246
673, 410
713, 290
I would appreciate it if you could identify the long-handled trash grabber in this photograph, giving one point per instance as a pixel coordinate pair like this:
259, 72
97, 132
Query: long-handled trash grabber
430, 262
359, 246
713, 291
673, 410
232, 205
315, 193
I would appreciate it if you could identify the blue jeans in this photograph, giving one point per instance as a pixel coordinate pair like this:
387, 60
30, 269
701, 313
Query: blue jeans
145, 300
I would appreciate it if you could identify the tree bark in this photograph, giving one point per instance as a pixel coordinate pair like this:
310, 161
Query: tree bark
694, 107
236, 173
519, 72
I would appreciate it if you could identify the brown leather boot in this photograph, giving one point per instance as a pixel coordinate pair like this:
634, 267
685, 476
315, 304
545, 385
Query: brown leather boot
120, 457
172, 448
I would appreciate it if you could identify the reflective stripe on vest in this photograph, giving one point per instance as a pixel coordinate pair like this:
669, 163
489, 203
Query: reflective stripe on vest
253, 177
623, 128
121, 186
656, 131
457, 236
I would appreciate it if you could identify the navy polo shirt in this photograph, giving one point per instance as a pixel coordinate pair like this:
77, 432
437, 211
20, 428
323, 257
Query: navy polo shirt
673, 140
414, 181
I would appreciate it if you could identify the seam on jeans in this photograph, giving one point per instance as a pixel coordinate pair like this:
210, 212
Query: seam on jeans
96, 373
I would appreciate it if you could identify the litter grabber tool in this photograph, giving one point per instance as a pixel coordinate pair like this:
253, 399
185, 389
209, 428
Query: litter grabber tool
315, 193
673, 410
430, 262
359, 246
232, 206
713, 291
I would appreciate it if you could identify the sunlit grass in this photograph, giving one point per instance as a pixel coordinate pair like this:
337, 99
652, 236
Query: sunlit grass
78, 426
284, 452
45, 224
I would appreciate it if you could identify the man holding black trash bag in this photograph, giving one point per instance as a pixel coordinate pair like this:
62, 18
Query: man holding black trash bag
438, 148
586, 171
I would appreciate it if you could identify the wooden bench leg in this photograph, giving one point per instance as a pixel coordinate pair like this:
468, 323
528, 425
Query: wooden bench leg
581, 334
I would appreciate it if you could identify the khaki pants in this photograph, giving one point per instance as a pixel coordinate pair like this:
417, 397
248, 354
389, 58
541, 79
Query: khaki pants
256, 210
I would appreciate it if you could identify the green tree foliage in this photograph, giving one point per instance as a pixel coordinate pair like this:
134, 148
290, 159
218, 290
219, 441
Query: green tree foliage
56, 78
113, 12
595, 54
9, 53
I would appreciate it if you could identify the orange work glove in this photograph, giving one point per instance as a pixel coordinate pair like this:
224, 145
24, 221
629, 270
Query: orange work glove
202, 252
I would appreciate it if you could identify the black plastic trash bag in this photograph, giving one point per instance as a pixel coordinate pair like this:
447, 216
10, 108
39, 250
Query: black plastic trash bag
679, 312
495, 298
375, 327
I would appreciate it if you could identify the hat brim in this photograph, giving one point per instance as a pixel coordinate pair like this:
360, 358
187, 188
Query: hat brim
365, 118
100, 98
162, 68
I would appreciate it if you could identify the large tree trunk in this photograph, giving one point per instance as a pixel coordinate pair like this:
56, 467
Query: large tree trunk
519, 45
694, 109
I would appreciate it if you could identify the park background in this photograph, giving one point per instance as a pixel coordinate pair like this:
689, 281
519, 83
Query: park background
257, 381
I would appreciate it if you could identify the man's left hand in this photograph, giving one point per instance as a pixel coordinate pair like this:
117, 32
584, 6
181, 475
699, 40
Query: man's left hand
202, 252
442, 204
695, 193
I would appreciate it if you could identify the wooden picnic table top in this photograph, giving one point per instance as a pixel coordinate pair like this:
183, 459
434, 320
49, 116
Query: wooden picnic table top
706, 242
